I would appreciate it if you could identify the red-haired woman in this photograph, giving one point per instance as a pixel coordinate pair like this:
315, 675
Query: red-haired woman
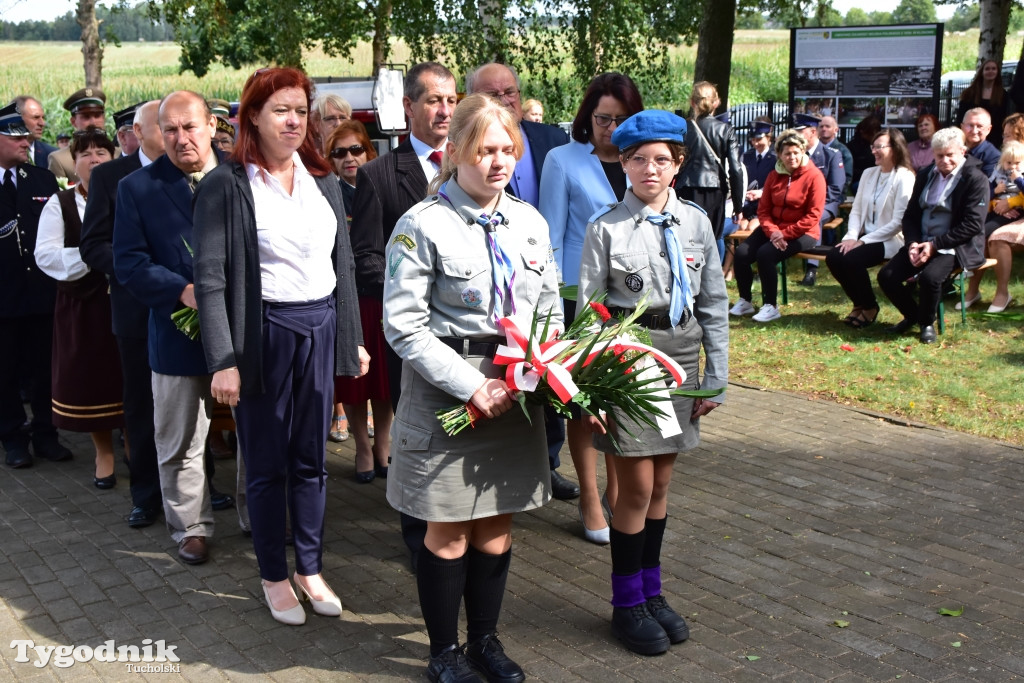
347, 148
279, 317
921, 154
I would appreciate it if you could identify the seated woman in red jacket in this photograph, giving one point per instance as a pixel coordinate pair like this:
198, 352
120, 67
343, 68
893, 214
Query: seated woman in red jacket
790, 208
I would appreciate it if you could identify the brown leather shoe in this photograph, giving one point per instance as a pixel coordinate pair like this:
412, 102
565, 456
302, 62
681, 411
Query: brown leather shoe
192, 550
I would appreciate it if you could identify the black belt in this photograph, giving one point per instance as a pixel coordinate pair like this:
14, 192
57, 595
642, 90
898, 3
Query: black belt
652, 321
468, 347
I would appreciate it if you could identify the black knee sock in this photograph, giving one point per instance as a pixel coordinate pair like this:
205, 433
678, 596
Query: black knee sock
441, 584
485, 587
627, 551
655, 530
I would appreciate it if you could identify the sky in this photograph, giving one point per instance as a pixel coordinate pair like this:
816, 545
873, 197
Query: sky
21, 10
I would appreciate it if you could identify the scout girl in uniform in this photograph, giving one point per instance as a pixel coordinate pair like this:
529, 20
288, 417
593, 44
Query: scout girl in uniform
653, 245
461, 260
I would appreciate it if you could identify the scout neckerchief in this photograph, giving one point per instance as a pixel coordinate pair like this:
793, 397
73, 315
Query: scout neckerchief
503, 271
682, 296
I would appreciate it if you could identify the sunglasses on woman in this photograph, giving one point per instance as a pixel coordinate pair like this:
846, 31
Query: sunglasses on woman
342, 152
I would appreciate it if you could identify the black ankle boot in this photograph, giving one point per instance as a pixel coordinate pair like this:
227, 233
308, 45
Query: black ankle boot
487, 655
451, 667
639, 630
674, 625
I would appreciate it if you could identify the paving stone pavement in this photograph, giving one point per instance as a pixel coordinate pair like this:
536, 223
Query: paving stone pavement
806, 541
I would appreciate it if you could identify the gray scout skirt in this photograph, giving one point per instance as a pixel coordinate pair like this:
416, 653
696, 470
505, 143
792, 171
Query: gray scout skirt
499, 466
683, 345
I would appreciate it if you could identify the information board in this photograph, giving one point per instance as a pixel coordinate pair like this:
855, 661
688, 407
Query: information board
890, 72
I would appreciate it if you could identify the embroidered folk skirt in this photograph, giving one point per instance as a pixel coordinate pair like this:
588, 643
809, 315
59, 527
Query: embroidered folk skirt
86, 368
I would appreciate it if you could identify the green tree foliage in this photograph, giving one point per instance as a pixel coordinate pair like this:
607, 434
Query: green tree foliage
964, 17
856, 17
129, 23
914, 12
247, 32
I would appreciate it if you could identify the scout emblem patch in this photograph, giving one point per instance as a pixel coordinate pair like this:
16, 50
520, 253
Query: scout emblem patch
634, 282
394, 262
472, 297
405, 241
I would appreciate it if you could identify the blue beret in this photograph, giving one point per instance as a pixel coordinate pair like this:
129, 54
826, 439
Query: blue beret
758, 129
651, 125
11, 123
805, 121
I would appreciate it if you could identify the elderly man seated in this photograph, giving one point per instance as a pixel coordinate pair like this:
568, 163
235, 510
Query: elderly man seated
943, 227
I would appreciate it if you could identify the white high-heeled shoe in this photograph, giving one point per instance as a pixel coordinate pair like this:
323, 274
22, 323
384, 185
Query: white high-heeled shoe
598, 536
969, 301
331, 607
293, 616
999, 309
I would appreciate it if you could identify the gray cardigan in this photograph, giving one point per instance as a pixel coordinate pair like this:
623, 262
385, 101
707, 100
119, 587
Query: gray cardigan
227, 277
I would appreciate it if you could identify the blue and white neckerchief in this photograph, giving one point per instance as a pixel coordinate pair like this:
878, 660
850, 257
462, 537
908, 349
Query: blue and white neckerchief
503, 271
682, 295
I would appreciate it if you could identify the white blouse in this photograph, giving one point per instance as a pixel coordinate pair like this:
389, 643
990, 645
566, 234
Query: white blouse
53, 258
296, 234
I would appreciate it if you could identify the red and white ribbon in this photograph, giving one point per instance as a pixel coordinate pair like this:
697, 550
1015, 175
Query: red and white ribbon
526, 375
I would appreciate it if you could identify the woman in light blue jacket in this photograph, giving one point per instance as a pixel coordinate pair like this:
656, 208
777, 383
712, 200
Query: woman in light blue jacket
578, 180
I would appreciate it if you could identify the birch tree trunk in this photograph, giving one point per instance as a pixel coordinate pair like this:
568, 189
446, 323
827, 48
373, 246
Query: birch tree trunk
994, 23
92, 50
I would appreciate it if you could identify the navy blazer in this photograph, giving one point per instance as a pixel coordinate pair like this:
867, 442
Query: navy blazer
41, 151
386, 188
830, 162
26, 290
151, 227
758, 170
542, 138
130, 317
988, 155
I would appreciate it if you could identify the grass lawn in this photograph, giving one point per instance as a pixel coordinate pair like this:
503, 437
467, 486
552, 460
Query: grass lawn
970, 380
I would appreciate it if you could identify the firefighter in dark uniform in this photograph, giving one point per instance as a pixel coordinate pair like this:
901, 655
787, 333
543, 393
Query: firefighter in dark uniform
26, 307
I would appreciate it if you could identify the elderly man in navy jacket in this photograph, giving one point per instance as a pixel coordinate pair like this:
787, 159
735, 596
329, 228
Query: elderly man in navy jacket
152, 234
830, 162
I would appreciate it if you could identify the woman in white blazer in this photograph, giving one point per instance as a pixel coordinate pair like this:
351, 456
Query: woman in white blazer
875, 227
578, 180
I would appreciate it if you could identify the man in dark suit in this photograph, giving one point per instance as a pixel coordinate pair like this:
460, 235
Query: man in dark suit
130, 316
34, 116
26, 307
389, 186
830, 162
152, 233
943, 227
501, 82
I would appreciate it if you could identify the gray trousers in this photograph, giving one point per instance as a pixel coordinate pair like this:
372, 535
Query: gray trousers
182, 408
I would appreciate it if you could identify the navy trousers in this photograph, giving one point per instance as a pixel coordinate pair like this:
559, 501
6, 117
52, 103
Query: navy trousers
282, 432
138, 422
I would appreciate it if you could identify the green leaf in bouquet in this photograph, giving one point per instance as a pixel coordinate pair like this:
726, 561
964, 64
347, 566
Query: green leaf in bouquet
521, 397
569, 292
697, 393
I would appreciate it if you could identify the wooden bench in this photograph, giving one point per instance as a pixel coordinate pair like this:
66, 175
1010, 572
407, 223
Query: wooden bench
815, 254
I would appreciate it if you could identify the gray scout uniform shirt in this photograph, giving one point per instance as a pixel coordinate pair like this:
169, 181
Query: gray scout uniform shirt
439, 283
625, 255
